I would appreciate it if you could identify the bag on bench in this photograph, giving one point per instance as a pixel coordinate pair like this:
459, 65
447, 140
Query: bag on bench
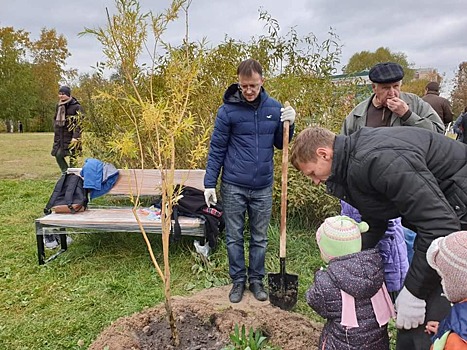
68, 196
192, 204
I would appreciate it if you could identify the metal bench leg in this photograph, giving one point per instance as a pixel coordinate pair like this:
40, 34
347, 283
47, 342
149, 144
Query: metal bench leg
63, 244
40, 243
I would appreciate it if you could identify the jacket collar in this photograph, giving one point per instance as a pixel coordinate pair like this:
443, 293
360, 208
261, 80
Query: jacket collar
336, 183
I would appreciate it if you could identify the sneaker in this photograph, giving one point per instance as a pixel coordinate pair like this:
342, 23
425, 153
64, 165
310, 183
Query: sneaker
51, 241
69, 240
236, 293
258, 291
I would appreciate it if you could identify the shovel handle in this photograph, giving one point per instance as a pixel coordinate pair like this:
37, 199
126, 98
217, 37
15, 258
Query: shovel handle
285, 165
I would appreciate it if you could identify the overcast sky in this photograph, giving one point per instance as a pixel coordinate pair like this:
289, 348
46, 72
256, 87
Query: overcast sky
431, 33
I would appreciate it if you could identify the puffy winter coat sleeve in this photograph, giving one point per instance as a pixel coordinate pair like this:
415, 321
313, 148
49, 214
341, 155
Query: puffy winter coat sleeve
315, 295
351, 212
413, 189
217, 148
279, 135
423, 115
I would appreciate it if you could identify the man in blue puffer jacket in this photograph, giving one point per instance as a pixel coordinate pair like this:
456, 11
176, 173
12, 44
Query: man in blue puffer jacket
248, 126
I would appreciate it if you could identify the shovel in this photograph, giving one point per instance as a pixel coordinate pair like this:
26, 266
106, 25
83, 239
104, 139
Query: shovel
283, 287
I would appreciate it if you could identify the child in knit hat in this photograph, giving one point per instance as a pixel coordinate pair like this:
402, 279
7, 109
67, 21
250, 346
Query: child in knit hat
448, 256
350, 293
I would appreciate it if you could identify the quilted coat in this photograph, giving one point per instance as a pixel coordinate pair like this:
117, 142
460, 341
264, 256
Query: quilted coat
361, 276
243, 141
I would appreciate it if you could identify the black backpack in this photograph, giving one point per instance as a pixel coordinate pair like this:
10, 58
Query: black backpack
68, 196
192, 204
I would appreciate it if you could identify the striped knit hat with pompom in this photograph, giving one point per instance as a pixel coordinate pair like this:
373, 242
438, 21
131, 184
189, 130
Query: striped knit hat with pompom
448, 256
340, 235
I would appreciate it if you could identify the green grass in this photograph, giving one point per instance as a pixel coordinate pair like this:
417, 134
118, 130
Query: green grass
102, 276
27, 156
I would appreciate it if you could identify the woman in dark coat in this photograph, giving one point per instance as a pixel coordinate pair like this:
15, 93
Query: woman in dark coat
67, 129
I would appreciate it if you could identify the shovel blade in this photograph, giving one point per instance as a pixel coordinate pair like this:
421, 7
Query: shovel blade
283, 290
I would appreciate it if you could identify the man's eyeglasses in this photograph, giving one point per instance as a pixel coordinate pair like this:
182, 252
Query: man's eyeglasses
246, 87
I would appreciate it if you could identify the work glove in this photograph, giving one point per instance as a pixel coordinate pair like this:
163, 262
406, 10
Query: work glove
210, 196
288, 113
410, 310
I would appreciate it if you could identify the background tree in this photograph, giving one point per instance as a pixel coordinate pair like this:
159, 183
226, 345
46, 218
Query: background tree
364, 60
17, 84
459, 93
30, 73
49, 54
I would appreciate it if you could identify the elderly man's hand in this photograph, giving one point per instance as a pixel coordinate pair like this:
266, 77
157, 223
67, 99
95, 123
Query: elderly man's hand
398, 106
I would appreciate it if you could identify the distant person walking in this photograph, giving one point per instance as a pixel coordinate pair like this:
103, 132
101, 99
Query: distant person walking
20, 127
67, 129
439, 104
460, 125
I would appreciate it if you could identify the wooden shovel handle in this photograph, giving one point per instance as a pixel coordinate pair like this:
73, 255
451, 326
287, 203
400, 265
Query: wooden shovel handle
285, 166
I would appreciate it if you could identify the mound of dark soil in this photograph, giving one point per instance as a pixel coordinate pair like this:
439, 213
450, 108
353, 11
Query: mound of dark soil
205, 320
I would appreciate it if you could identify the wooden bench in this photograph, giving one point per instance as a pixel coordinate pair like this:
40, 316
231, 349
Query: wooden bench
119, 219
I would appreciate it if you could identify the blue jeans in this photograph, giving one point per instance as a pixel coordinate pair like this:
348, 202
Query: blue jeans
237, 201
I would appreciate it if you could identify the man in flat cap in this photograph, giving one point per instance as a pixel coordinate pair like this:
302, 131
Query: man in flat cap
388, 106
439, 104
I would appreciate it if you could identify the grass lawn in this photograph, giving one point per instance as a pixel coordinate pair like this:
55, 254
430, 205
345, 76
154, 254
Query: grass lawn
68, 302
27, 156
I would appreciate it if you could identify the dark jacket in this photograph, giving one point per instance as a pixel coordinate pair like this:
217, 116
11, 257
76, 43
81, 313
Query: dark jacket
243, 141
71, 129
458, 127
361, 276
440, 105
408, 172
463, 124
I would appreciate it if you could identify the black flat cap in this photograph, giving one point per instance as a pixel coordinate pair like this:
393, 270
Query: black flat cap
388, 72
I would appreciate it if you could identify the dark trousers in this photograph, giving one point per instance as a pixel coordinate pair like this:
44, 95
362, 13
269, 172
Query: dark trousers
62, 163
437, 308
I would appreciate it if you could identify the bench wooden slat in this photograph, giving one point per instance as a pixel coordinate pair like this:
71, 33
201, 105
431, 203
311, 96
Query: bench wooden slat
113, 219
149, 181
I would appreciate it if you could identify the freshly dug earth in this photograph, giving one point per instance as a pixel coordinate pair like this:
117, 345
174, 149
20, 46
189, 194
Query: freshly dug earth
205, 320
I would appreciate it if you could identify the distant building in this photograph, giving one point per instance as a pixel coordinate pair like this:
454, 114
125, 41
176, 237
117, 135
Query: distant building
360, 78
430, 74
